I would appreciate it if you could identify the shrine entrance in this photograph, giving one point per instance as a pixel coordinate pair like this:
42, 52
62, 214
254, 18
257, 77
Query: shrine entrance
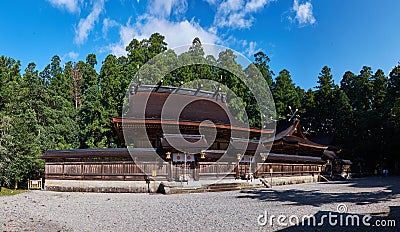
183, 167
245, 168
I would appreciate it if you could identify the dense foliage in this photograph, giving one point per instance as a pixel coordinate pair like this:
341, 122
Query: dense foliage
69, 106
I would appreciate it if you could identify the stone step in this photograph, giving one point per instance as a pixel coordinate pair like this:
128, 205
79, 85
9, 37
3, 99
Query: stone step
224, 185
216, 187
221, 189
265, 183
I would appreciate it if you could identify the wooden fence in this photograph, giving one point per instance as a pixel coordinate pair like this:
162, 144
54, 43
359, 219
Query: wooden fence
217, 169
115, 170
35, 184
127, 170
282, 169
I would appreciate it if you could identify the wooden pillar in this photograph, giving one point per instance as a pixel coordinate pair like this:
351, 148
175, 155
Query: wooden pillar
123, 171
63, 170
237, 171
170, 171
196, 171
102, 170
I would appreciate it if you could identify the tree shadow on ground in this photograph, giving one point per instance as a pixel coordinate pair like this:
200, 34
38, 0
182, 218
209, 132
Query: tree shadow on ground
357, 191
389, 183
388, 189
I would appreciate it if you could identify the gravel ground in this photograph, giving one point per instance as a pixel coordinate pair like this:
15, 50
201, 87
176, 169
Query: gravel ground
222, 211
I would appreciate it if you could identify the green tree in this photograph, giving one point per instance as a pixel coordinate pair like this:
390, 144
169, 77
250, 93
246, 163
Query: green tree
89, 113
342, 120
359, 88
113, 87
141, 52
324, 101
379, 89
392, 112
308, 110
261, 61
393, 92
232, 80
19, 126
285, 94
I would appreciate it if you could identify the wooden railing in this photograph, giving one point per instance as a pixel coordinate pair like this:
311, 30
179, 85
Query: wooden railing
125, 170
35, 184
217, 169
282, 169
115, 170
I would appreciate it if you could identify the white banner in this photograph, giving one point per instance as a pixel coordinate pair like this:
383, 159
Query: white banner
246, 159
180, 157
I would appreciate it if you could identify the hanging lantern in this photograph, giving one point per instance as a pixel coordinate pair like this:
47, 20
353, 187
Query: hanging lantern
263, 157
202, 155
168, 155
238, 156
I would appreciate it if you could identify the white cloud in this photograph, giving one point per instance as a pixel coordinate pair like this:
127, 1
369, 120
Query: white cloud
255, 5
247, 48
251, 49
126, 34
176, 33
231, 5
72, 55
238, 13
70, 5
86, 25
164, 8
304, 13
211, 2
107, 24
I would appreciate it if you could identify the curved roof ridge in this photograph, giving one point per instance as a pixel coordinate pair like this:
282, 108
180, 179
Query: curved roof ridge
216, 95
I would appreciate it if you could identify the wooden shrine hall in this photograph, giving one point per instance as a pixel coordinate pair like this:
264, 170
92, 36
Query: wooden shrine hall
181, 134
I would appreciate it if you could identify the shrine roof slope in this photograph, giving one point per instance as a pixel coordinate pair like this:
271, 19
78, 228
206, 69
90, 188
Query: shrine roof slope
291, 132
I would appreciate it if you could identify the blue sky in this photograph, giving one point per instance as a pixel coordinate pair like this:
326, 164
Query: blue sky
299, 35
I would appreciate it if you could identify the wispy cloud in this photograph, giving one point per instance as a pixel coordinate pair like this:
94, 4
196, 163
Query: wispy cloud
107, 24
238, 14
211, 2
86, 25
303, 13
251, 49
126, 33
72, 55
69, 5
248, 48
164, 8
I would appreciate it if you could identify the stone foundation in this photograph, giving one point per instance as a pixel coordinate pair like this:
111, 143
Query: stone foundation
292, 180
101, 186
158, 186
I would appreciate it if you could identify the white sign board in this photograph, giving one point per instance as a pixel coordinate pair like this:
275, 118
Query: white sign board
180, 157
246, 159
